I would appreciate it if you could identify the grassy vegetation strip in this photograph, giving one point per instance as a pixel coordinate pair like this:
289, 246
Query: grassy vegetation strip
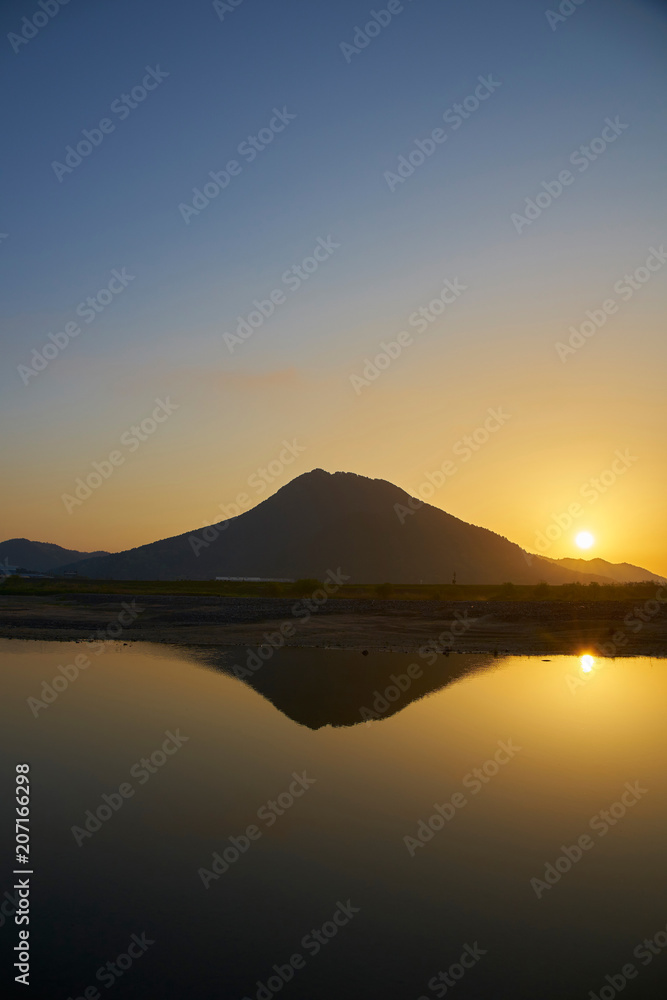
16, 586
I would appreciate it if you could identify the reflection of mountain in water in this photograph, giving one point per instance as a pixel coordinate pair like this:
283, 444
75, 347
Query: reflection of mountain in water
327, 687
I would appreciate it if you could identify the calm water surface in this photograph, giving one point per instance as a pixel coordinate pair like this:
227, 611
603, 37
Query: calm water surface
340, 860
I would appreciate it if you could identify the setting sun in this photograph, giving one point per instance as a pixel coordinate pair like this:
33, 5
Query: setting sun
584, 540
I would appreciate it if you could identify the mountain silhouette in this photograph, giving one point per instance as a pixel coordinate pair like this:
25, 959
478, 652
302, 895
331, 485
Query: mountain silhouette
40, 557
619, 572
371, 530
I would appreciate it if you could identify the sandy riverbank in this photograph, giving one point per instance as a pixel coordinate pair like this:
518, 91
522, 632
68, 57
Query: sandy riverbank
530, 627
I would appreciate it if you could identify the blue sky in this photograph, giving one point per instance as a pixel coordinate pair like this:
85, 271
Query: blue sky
323, 175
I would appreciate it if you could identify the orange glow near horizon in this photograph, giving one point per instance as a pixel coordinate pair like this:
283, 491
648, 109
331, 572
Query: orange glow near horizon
524, 482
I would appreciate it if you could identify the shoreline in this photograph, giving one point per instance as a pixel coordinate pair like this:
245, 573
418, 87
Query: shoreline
605, 628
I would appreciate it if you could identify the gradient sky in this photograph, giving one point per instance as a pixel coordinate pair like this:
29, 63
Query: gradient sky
324, 176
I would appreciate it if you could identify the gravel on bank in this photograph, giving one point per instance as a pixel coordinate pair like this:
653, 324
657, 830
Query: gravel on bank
612, 628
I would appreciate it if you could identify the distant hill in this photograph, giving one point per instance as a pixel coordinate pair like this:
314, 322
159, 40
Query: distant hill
40, 556
619, 572
321, 521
